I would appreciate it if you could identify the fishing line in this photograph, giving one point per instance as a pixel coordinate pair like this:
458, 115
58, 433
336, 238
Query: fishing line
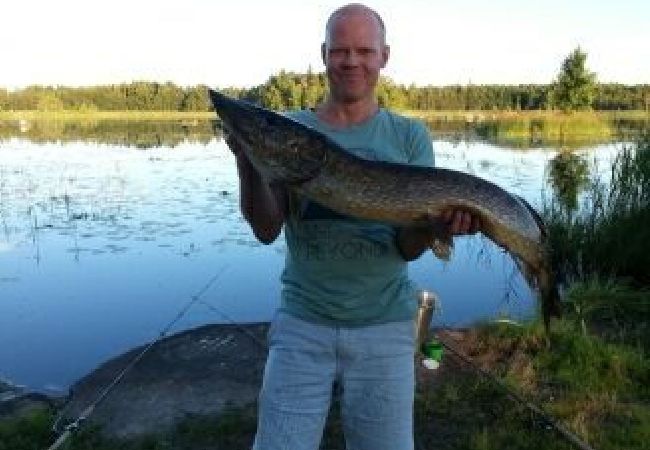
564, 432
73, 426
237, 326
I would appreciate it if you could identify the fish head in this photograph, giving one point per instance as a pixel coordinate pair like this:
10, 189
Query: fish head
280, 148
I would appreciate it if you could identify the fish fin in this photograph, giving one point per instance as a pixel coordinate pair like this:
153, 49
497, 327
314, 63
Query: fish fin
442, 247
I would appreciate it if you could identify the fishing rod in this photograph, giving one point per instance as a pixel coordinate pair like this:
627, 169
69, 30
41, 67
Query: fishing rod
86, 412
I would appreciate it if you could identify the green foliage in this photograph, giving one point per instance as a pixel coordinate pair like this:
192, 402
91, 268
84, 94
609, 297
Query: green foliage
615, 310
471, 413
569, 174
390, 95
582, 365
289, 90
48, 101
233, 429
615, 96
609, 237
195, 99
567, 131
28, 432
575, 86
593, 386
4, 99
136, 96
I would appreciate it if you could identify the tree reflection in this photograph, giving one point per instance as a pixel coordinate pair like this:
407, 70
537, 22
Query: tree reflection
131, 133
569, 175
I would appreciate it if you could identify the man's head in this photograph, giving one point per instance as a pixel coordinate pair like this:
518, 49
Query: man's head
354, 52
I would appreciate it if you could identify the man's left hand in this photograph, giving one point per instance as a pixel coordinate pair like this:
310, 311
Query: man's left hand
413, 241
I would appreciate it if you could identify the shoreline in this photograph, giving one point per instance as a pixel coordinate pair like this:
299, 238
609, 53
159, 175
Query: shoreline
452, 115
204, 371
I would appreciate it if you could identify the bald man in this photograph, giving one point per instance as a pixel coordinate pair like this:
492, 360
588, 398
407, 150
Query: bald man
347, 304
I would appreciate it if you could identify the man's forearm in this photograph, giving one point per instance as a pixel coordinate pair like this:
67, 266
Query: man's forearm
412, 242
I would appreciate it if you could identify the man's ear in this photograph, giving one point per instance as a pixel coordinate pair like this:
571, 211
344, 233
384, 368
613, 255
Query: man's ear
385, 54
323, 50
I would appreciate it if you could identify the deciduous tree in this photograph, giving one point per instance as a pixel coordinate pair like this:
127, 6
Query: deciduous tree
575, 87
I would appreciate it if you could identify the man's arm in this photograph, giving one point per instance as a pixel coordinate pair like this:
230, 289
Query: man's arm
262, 206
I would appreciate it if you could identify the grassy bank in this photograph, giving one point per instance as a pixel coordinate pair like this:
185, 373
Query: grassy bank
597, 389
557, 116
596, 376
523, 129
464, 412
506, 128
454, 116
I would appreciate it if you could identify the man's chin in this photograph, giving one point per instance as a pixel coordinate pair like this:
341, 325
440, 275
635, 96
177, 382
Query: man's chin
353, 96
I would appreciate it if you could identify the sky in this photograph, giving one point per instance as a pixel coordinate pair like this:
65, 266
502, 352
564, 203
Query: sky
241, 43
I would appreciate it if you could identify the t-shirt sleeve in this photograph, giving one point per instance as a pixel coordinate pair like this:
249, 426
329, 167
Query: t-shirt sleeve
420, 145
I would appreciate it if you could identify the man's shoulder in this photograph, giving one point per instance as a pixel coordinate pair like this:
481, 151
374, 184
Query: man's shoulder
395, 116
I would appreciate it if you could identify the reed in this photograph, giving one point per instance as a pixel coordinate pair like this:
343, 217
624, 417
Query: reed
609, 235
601, 250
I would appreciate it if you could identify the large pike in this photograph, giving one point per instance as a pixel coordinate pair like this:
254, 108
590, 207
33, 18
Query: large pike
311, 164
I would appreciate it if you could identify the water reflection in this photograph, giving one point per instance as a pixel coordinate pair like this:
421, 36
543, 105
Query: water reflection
141, 134
569, 176
100, 245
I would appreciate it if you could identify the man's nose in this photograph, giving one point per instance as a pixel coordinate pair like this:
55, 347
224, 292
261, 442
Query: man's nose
351, 59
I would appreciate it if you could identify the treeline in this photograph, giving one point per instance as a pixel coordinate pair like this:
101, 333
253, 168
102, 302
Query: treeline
287, 90
136, 96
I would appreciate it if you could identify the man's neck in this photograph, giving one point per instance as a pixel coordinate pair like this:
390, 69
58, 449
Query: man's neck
341, 114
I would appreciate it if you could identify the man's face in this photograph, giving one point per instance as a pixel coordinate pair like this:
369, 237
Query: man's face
353, 55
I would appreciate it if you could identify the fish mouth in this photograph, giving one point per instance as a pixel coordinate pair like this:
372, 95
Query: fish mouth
219, 101
233, 115
223, 106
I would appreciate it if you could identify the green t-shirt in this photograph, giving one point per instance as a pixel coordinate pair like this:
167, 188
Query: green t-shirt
345, 271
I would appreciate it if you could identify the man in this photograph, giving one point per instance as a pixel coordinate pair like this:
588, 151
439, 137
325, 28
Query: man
347, 304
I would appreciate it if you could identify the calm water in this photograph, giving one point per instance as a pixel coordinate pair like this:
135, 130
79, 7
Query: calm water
101, 244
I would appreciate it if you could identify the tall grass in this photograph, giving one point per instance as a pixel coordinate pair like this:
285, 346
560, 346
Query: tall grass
609, 237
602, 250
599, 390
524, 129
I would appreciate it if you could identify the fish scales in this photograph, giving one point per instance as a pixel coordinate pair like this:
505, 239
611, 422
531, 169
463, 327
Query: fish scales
309, 163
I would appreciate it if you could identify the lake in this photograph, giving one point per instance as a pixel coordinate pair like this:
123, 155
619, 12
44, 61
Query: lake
108, 230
